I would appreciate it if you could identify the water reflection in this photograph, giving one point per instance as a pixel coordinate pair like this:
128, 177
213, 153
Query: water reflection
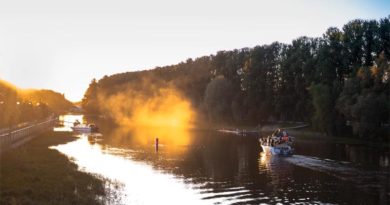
361, 154
210, 167
143, 184
171, 140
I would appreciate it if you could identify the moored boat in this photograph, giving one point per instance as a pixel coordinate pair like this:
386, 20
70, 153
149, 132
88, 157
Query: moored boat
85, 128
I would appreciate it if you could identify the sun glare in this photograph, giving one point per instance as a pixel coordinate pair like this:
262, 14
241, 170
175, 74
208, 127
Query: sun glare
166, 108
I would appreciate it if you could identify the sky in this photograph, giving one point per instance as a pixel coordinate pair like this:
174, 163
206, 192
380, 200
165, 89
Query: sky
63, 45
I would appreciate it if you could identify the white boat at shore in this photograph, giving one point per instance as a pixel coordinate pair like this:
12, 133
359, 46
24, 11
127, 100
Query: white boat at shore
85, 128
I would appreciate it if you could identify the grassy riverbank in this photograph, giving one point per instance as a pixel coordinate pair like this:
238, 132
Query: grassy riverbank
35, 174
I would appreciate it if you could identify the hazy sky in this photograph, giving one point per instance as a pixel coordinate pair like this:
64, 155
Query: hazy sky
62, 45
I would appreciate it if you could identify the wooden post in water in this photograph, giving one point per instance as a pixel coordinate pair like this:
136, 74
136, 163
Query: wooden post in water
156, 144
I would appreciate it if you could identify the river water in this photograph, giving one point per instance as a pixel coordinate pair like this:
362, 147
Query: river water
208, 167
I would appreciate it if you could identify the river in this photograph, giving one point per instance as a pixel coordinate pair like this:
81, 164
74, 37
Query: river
208, 167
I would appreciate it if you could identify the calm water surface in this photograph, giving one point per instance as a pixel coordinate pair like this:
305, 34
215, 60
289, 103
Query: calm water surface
207, 167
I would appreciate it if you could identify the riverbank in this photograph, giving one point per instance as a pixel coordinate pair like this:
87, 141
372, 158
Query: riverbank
35, 174
302, 131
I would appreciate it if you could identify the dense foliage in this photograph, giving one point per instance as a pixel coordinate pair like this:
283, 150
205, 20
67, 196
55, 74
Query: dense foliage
18, 106
338, 81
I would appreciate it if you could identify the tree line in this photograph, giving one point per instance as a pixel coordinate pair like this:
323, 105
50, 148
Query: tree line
338, 82
18, 106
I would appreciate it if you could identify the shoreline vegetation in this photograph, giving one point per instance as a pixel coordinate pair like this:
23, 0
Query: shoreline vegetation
22, 106
299, 130
35, 174
302, 130
339, 83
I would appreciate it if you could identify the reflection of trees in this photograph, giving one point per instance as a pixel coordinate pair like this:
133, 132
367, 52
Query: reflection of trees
367, 155
228, 167
243, 162
319, 148
219, 158
372, 181
247, 153
359, 154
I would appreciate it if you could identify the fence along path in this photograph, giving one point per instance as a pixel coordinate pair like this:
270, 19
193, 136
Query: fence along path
13, 138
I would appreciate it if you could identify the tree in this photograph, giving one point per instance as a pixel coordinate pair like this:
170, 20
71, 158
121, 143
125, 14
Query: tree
323, 110
346, 69
218, 99
90, 101
365, 99
353, 44
384, 35
10, 109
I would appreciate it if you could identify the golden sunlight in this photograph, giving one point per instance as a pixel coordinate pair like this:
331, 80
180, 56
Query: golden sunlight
164, 108
171, 140
156, 113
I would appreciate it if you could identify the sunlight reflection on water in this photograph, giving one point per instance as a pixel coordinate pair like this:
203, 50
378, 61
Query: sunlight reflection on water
142, 183
197, 167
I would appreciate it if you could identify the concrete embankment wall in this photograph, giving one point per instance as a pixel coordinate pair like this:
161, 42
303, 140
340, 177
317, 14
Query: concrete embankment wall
15, 137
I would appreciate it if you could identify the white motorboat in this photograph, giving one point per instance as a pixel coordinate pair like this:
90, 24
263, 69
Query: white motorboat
284, 150
278, 144
85, 128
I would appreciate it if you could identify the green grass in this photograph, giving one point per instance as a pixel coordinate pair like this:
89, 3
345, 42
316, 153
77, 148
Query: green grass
35, 174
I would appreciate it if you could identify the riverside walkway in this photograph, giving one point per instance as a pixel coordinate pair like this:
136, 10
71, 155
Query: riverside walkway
11, 138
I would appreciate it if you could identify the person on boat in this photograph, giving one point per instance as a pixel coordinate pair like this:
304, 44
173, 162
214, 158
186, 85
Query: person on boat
285, 137
268, 141
93, 127
75, 123
276, 133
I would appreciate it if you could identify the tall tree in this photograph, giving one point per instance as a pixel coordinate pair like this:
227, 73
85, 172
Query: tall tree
217, 100
90, 101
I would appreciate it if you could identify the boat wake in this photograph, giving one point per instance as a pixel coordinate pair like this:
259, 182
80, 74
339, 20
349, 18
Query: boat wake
347, 171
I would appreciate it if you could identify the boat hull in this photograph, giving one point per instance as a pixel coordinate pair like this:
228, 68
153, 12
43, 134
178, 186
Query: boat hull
281, 151
81, 129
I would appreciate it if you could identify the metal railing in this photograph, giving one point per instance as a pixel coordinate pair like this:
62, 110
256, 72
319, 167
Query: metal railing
13, 138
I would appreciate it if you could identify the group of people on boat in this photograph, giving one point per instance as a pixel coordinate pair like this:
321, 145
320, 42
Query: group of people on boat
278, 143
77, 126
281, 136
278, 137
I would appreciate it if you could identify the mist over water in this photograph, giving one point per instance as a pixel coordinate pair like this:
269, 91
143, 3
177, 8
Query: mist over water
149, 113
148, 103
